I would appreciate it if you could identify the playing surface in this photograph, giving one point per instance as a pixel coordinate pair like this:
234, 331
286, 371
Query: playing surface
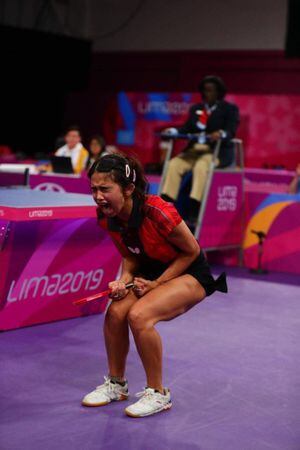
25, 198
232, 364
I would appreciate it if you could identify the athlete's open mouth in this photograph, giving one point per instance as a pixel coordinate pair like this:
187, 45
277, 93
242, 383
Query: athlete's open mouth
105, 206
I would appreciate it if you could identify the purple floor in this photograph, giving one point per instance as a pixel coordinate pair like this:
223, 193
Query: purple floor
232, 364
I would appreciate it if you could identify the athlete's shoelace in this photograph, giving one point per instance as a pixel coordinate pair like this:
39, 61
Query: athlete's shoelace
109, 386
147, 396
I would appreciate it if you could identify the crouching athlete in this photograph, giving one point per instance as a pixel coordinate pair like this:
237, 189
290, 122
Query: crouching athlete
169, 271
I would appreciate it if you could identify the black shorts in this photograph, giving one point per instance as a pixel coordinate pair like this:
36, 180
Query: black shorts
199, 269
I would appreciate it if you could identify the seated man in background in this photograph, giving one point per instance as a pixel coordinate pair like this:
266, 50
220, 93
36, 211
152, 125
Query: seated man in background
74, 149
215, 119
294, 187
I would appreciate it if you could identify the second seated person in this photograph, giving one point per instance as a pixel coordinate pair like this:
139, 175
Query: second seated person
74, 149
97, 149
214, 118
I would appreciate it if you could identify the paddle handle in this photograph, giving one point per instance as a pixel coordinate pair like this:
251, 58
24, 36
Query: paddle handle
91, 298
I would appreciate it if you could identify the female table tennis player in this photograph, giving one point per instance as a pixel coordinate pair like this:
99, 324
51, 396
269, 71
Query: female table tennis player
169, 271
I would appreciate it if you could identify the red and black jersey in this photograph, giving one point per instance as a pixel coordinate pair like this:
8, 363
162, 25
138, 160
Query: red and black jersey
145, 237
146, 234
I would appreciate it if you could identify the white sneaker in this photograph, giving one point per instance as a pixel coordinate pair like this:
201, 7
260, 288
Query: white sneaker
151, 402
106, 393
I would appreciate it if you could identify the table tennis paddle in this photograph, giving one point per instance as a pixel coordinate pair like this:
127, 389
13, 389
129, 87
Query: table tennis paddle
85, 300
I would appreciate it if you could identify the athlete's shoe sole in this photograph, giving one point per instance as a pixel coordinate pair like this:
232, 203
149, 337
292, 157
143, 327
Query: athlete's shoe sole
92, 405
137, 416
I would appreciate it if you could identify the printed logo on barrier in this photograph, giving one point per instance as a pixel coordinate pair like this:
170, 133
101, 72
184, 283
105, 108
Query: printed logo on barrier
54, 285
52, 187
41, 213
227, 198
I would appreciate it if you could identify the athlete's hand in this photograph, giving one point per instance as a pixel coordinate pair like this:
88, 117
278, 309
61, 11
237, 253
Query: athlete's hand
118, 290
142, 286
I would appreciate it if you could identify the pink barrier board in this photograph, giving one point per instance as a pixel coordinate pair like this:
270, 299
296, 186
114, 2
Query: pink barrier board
49, 262
278, 216
49, 182
223, 219
61, 183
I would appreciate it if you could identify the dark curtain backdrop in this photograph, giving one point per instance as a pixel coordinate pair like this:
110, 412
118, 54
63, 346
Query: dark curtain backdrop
38, 70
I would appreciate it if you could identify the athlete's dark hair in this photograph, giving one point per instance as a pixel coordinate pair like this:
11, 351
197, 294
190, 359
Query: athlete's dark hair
217, 81
124, 170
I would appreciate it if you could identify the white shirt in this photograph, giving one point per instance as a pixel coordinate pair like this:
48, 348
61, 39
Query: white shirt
71, 153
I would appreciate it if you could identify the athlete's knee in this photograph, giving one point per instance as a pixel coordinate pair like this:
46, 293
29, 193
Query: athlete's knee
115, 314
138, 319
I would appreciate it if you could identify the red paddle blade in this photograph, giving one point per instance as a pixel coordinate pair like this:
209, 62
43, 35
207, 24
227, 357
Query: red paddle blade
82, 301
